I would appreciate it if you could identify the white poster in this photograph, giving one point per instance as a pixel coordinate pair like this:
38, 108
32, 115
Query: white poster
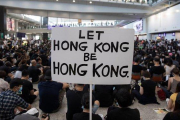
92, 55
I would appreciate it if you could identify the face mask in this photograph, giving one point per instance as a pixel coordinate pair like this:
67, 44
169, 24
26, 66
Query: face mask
19, 92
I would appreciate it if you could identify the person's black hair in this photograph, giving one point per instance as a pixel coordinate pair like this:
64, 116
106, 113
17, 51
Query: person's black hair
123, 98
25, 73
146, 74
156, 59
137, 59
8, 64
169, 62
2, 74
15, 82
85, 100
175, 71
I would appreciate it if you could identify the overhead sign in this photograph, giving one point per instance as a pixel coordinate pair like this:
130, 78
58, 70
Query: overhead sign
92, 55
138, 26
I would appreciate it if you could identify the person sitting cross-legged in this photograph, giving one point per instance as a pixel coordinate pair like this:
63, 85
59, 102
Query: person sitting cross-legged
85, 114
51, 93
9, 100
148, 89
122, 112
28, 93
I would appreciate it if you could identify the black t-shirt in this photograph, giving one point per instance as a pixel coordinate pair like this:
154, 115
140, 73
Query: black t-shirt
123, 114
27, 87
6, 69
73, 103
34, 73
136, 69
149, 87
157, 70
169, 116
85, 116
49, 92
104, 93
44, 60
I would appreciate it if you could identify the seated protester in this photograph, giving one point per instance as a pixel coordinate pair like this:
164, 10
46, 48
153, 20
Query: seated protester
34, 72
51, 94
9, 100
35, 55
85, 114
169, 67
136, 67
44, 58
3, 84
122, 112
172, 82
104, 94
74, 101
148, 88
157, 69
39, 62
150, 63
28, 93
7, 69
175, 114
175, 62
171, 103
18, 73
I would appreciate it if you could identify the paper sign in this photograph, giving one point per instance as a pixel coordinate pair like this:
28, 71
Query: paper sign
92, 55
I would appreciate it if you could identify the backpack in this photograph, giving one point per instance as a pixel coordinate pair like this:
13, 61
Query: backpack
161, 95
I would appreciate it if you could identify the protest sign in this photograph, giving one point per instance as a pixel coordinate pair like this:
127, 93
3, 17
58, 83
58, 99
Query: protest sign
92, 55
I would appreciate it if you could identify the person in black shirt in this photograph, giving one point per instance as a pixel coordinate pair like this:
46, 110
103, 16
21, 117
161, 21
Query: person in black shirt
157, 69
136, 67
85, 114
104, 93
28, 93
34, 72
175, 115
122, 112
44, 58
74, 101
147, 91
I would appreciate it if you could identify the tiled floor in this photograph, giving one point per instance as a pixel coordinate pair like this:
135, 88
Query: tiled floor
146, 111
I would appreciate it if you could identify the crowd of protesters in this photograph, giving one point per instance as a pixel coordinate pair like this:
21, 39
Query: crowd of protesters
155, 73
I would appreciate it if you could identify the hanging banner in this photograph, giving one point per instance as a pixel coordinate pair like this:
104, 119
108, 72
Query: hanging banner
92, 55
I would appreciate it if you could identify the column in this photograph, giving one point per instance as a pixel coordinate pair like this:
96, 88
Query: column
45, 36
3, 24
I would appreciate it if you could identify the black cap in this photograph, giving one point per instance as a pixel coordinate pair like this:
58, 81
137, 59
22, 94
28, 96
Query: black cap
16, 82
48, 75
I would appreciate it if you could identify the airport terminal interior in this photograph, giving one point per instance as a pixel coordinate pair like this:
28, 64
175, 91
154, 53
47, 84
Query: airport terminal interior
49, 71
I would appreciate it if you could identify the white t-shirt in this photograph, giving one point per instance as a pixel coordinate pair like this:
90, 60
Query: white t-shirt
18, 74
3, 85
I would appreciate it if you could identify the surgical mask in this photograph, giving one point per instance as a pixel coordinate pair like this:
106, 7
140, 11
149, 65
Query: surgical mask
19, 92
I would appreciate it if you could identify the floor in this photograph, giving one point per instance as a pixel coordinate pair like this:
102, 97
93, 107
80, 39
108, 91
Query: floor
146, 111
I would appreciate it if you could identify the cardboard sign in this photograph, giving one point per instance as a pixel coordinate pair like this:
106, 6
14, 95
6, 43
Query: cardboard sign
92, 55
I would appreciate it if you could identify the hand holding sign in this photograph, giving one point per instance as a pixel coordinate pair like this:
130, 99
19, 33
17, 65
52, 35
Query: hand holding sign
92, 55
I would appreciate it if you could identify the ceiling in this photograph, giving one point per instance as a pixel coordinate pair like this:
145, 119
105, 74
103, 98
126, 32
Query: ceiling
127, 12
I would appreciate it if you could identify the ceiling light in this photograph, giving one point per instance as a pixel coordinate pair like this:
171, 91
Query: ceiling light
57, 0
90, 2
74, 1
177, 10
